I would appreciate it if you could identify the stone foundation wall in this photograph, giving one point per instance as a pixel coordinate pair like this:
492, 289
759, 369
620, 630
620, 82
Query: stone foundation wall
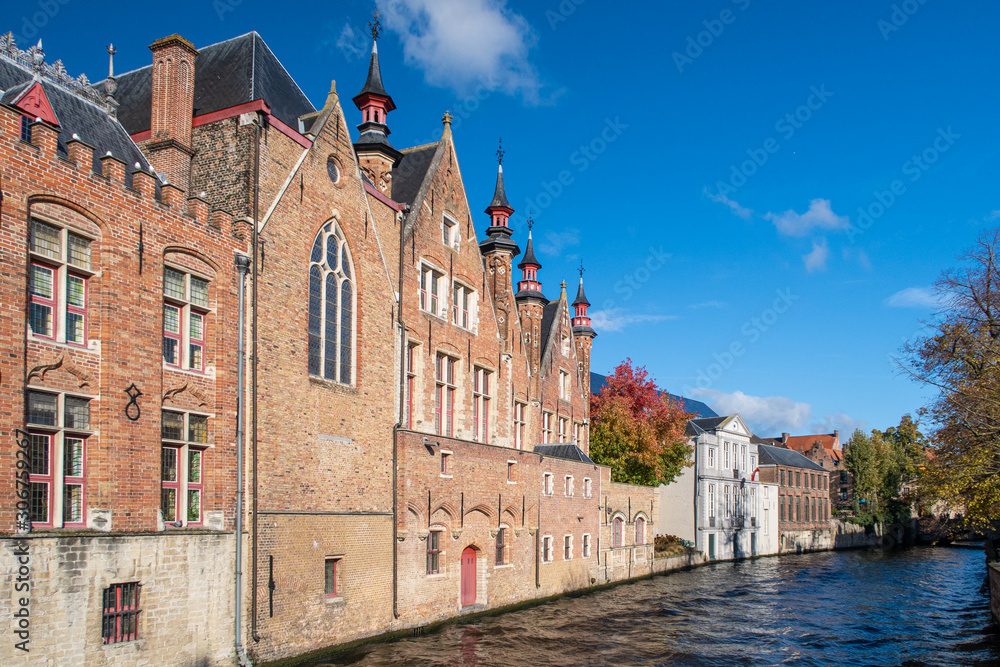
839, 535
186, 598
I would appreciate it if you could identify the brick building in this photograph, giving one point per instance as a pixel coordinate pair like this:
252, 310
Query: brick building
803, 491
416, 430
826, 450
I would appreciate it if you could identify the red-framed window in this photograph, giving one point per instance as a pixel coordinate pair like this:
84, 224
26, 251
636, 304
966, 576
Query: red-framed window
411, 382
185, 319
40, 479
430, 291
444, 399
616, 531
481, 405
446, 463
461, 306
43, 300
519, 424
60, 258
172, 335
331, 576
120, 613
58, 427
640, 530
182, 467
501, 554
434, 552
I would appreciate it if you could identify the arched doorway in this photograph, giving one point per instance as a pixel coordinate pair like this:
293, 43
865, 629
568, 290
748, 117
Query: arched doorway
468, 576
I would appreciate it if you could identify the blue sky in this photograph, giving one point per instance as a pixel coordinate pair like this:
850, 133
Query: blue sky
711, 162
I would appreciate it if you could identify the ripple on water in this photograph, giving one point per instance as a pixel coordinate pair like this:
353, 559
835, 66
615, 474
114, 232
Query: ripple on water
909, 608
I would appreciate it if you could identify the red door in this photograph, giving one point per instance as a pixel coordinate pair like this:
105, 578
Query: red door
468, 576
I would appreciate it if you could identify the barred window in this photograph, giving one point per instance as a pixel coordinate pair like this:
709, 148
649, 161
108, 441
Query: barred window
120, 613
331, 307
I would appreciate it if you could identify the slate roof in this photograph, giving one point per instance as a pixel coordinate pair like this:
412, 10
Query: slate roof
227, 74
409, 175
597, 382
785, 457
87, 120
499, 195
529, 255
563, 451
581, 296
549, 313
373, 84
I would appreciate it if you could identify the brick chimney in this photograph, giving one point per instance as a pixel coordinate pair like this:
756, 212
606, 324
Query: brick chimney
784, 438
169, 148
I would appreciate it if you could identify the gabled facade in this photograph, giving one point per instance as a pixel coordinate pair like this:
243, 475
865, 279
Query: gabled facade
722, 490
415, 429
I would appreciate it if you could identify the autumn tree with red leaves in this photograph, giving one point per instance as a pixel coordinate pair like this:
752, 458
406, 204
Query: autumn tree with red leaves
637, 430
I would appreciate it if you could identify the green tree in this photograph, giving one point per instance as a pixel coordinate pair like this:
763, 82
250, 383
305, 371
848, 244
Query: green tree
636, 430
886, 466
959, 356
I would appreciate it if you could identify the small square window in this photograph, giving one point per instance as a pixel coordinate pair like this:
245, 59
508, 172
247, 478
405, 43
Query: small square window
43, 409
77, 413
173, 284
172, 426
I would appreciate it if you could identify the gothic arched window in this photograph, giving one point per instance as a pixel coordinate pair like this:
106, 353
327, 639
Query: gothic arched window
331, 306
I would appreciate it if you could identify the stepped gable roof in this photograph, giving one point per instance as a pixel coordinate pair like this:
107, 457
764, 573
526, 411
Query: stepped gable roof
785, 457
84, 118
563, 451
226, 74
597, 382
411, 172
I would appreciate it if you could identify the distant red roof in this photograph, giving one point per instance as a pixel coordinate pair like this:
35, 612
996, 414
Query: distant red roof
830, 442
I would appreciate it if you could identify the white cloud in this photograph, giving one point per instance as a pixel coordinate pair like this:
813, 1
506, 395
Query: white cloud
708, 304
554, 242
819, 215
617, 319
839, 422
816, 260
739, 211
915, 297
354, 44
466, 44
994, 215
765, 415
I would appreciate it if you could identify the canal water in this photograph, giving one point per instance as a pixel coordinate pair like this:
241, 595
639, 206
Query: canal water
920, 606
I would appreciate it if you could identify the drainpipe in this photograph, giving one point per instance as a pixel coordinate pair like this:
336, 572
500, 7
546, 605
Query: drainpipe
253, 373
242, 267
399, 422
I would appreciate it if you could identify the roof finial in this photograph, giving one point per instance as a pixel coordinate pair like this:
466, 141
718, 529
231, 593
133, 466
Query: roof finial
563, 285
375, 27
38, 58
500, 152
581, 269
111, 85
531, 223
446, 118
111, 60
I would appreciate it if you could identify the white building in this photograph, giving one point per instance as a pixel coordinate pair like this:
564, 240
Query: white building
717, 503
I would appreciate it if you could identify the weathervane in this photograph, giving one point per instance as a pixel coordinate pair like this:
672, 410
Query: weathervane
376, 27
581, 269
531, 223
500, 152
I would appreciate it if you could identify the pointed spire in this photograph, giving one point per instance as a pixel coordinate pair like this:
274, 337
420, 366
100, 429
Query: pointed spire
374, 104
373, 85
581, 296
529, 258
499, 210
581, 321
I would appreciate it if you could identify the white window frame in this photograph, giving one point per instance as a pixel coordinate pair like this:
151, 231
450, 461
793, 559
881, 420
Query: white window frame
61, 268
568, 486
183, 448
472, 302
431, 283
547, 484
186, 311
587, 487
567, 547
547, 555
585, 553
450, 234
